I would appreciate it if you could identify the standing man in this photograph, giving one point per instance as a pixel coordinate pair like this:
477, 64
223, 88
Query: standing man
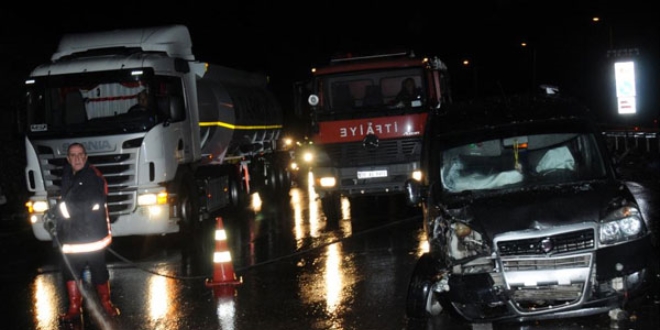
83, 230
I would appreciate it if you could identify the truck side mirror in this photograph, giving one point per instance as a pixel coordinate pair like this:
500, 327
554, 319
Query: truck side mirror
176, 109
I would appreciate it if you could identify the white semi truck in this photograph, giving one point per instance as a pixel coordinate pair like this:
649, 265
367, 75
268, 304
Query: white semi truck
206, 138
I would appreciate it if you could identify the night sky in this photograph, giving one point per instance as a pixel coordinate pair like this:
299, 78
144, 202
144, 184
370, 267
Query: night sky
565, 47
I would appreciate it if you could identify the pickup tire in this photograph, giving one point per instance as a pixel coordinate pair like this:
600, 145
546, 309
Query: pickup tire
421, 301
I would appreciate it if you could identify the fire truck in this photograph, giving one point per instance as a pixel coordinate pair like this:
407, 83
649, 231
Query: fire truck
363, 139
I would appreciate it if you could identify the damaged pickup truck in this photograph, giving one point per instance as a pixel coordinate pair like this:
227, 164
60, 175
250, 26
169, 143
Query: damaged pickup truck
525, 216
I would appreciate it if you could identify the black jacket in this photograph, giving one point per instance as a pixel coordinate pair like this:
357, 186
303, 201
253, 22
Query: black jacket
85, 195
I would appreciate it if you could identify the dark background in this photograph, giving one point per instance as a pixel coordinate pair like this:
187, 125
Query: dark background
285, 39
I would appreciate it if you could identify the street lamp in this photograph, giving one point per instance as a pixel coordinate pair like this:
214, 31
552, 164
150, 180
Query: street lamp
475, 81
597, 20
524, 44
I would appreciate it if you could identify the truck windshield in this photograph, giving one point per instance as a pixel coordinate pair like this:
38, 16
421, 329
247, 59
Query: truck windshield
402, 89
93, 103
521, 162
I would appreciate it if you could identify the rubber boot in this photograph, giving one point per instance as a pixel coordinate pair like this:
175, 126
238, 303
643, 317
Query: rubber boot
75, 302
104, 295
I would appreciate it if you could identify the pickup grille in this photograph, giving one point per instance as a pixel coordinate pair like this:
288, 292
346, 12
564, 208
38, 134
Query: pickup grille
560, 243
551, 269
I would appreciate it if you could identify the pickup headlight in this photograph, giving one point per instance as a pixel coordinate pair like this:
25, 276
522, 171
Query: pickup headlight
621, 225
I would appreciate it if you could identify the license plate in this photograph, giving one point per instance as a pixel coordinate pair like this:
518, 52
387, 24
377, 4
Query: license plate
371, 174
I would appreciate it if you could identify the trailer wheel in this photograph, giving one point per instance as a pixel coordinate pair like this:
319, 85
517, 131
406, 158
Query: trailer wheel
421, 301
237, 191
284, 180
272, 181
331, 204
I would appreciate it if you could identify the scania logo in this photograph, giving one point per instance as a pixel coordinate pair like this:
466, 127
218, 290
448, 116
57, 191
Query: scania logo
370, 142
93, 146
546, 245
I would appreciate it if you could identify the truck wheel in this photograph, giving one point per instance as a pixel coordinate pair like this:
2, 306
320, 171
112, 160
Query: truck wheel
273, 179
189, 205
331, 204
286, 180
237, 191
283, 180
421, 301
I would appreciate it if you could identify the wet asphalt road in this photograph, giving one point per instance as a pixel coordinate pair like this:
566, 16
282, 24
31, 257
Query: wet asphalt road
297, 271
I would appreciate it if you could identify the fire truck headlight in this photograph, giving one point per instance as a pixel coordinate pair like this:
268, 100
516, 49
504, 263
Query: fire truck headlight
417, 175
327, 181
294, 166
308, 157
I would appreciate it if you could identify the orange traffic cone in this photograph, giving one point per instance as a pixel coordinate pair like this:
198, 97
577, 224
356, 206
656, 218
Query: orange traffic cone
223, 268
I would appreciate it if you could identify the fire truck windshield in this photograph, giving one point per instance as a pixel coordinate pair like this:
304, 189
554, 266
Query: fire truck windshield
372, 90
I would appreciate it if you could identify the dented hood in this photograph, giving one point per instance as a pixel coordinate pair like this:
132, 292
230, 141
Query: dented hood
543, 207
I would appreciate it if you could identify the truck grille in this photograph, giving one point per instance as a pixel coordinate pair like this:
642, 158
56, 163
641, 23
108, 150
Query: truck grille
388, 152
118, 170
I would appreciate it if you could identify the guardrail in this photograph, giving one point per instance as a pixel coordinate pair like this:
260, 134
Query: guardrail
621, 141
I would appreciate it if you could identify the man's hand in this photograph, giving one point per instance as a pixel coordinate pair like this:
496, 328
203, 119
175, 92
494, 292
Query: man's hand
50, 222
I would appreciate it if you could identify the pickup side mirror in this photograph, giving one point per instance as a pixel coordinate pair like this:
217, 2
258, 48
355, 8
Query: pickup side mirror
414, 192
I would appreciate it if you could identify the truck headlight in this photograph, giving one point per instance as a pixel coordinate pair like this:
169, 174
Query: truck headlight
152, 199
621, 225
37, 206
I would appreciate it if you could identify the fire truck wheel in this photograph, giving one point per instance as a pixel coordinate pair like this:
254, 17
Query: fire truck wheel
331, 204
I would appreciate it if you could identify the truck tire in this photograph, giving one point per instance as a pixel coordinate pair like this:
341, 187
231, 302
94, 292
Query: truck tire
331, 204
238, 196
285, 180
188, 204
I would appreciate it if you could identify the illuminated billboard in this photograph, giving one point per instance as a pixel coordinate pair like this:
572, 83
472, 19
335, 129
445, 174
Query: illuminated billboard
626, 94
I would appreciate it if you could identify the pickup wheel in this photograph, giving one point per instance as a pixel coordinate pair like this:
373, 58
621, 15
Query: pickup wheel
421, 302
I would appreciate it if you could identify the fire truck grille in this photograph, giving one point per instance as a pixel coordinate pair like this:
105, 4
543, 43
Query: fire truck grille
387, 152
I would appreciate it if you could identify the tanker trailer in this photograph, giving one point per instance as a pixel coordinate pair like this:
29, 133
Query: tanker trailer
203, 138
241, 136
